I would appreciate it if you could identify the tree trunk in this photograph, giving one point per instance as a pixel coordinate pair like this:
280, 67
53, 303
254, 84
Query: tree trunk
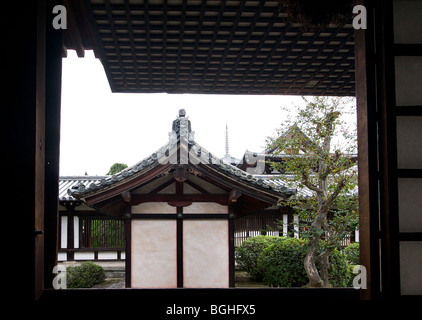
310, 267
325, 267
316, 278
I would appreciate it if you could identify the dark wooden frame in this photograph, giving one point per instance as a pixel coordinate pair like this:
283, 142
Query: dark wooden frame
24, 89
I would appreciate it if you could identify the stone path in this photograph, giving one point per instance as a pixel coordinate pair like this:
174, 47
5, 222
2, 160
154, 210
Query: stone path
111, 284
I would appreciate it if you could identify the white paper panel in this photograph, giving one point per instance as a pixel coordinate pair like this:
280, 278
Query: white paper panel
407, 21
410, 205
411, 267
408, 81
205, 254
409, 142
154, 254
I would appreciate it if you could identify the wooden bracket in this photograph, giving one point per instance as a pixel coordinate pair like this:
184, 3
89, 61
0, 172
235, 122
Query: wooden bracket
126, 196
234, 195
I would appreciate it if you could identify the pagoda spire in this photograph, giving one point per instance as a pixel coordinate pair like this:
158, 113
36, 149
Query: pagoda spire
227, 142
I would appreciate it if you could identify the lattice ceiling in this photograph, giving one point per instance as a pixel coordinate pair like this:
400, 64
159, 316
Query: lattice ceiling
219, 47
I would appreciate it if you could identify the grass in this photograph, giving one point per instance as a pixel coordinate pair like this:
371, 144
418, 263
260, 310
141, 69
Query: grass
243, 280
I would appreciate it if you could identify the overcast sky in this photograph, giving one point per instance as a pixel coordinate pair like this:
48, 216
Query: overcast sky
99, 128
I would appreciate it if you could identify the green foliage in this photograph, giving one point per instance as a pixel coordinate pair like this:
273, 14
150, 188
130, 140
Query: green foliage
86, 275
107, 233
316, 148
117, 167
339, 270
352, 253
248, 252
281, 264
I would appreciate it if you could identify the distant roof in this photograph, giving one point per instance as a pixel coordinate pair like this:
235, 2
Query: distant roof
218, 47
73, 183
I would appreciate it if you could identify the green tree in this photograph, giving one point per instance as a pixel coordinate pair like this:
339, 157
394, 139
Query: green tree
117, 167
317, 145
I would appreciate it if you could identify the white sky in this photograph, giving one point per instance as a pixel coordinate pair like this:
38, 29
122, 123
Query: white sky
99, 128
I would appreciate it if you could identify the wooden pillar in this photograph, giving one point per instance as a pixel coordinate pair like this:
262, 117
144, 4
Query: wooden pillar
128, 245
179, 239
52, 145
367, 158
70, 211
231, 247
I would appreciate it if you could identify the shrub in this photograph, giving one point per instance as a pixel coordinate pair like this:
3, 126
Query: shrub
339, 275
86, 275
352, 253
281, 263
248, 252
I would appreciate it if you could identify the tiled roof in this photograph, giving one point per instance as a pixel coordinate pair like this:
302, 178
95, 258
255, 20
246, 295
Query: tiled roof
73, 183
162, 155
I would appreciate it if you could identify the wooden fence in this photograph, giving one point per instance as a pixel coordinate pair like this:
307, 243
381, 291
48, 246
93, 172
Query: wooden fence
101, 232
87, 237
254, 225
274, 225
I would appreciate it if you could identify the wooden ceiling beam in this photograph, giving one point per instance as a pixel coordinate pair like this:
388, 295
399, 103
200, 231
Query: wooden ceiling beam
73, 30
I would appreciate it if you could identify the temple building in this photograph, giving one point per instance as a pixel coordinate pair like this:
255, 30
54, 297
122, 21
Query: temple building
179, 206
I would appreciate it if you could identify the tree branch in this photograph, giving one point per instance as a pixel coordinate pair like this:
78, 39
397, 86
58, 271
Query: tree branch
340, 185
307, 183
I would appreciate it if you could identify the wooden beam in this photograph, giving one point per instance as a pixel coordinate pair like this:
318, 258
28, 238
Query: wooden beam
140, 198
161, 187
181, 174
73, 30
210, 174
179, 203
195, 186
133, 183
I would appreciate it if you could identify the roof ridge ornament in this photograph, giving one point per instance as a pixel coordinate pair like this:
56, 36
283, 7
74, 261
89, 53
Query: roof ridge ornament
181, 128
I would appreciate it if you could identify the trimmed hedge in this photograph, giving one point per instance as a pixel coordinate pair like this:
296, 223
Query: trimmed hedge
278, 262
86, 275
281, 264
248, 252
352, 252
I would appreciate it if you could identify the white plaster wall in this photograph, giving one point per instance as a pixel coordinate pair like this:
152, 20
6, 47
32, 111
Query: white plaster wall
205, 254
107, 255
205, 207
154, 254
63, 230
62, 256
76, 232
84, 255
153, 207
